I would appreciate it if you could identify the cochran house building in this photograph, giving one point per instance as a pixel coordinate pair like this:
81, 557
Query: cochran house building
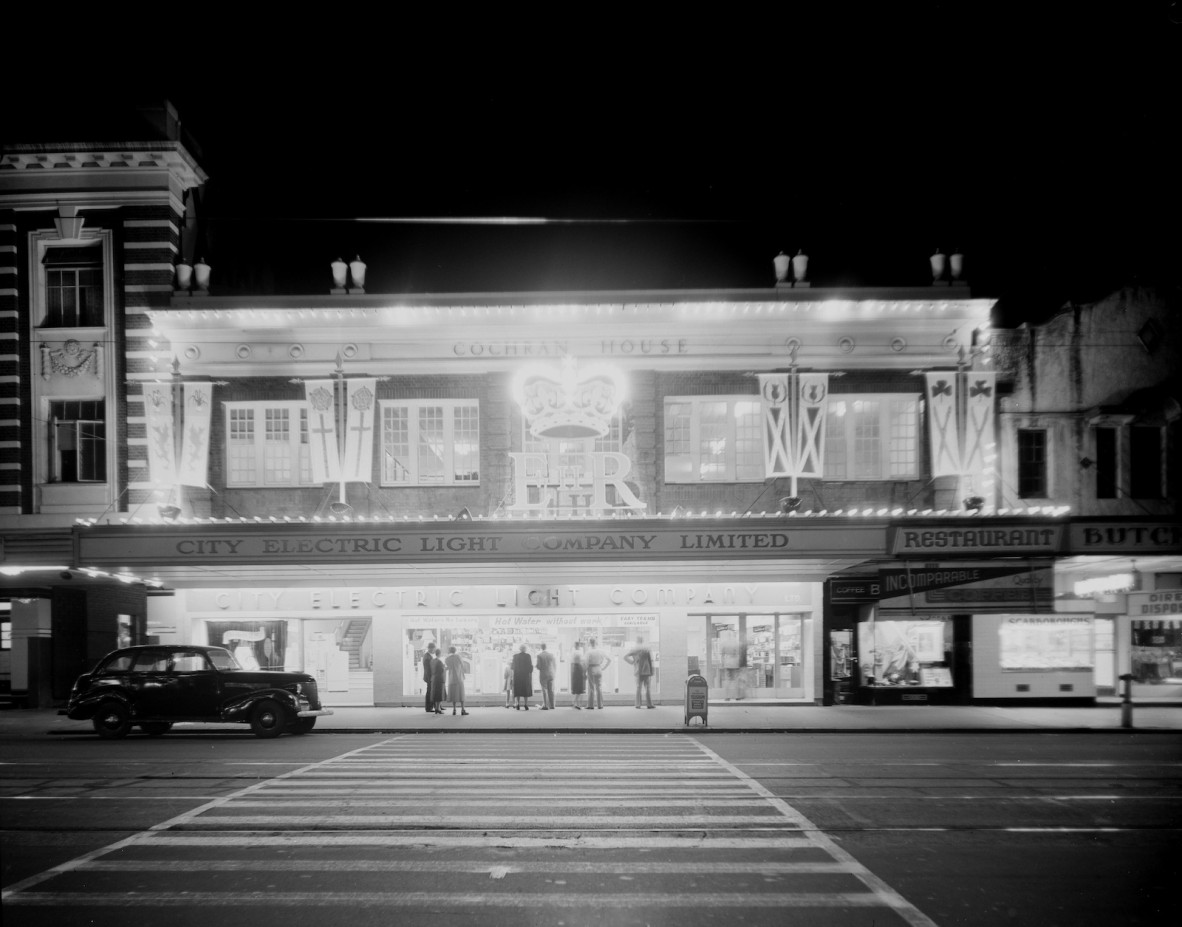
803, 494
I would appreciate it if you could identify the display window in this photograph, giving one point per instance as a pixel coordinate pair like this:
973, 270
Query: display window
1044, 643
749, 655
338, 652
1156, 655
906, 652
487, 643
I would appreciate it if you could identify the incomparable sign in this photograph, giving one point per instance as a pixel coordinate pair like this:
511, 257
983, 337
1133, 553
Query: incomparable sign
959, 586
472, 542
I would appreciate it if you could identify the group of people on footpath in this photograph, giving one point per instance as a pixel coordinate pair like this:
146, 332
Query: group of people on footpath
444, 677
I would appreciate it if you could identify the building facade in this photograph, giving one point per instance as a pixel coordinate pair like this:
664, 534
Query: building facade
804, 495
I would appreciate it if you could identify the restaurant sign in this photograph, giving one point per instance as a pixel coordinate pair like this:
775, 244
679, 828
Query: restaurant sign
977, 538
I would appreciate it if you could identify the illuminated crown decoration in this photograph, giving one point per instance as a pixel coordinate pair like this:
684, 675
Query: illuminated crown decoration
567, 402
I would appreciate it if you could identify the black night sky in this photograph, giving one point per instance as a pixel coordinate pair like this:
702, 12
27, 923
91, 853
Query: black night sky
675, 153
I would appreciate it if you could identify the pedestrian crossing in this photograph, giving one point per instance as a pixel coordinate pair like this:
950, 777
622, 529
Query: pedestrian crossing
561, 829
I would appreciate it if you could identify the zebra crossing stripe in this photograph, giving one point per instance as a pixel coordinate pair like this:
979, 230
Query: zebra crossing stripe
534, 901
886, 895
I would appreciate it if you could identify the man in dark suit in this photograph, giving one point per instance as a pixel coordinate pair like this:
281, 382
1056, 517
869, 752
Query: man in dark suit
428, 659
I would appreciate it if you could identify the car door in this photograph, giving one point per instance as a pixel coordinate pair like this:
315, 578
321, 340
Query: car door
191, 685
147, 684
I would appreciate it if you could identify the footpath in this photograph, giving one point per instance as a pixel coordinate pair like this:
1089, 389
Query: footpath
724, 718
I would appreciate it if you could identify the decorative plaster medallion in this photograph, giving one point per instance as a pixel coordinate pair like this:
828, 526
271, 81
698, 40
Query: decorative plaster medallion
349, 351
898, 344
296, 351
846, 345
192, 352
243, 351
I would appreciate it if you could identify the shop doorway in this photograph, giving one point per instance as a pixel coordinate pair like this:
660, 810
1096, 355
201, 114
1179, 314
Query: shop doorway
745, 655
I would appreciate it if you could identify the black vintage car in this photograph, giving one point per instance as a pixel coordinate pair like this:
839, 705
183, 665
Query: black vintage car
154, 686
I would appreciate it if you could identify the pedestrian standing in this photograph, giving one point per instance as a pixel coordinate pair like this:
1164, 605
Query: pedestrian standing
438, 682
597, 662
507, 682
641, 659
523, 678
428, 659
578, 674
547, 665
455, 680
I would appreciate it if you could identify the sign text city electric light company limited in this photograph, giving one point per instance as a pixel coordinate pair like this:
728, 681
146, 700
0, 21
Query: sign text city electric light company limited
102, 545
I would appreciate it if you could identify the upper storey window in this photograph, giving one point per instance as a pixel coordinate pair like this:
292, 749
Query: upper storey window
713, 439
430, 442
872, 437
73, 287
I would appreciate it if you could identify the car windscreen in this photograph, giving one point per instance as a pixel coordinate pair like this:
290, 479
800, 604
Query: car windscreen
223, 660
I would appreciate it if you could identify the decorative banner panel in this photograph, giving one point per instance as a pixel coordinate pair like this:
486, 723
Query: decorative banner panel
161, 434
359, 426
194, 462
777, 431
980, 389
322, 431
812, 407
943, 424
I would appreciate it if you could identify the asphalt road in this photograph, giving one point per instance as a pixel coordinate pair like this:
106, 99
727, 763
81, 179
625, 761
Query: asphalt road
574, 829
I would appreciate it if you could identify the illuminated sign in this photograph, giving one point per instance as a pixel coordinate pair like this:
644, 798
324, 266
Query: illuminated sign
1154, 603
1135, 537
1105, 585
473, 542
979, 538
538, 486
987, 586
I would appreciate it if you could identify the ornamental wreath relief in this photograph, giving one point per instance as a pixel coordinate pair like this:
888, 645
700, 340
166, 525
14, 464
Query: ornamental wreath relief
70, 360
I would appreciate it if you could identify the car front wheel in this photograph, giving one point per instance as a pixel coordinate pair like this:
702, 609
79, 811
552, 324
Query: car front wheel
112, 720
268, 718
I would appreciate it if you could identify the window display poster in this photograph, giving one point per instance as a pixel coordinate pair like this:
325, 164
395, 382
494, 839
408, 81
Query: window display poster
896, 652
1037, 643
255, 644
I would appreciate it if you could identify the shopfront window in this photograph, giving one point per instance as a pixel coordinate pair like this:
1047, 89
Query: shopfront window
338, 652
906, 652
486, 644
1157, 654
1044, 643
747, 655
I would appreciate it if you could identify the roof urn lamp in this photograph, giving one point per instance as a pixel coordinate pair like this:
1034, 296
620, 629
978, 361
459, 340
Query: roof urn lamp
340, 271
800, 267
781, 262
184, 275
938, 261
357, 272
956, 264
201, 272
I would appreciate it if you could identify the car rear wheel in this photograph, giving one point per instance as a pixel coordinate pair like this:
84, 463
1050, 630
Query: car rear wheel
156, 728
112, 720
302, 725
268, 718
